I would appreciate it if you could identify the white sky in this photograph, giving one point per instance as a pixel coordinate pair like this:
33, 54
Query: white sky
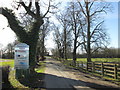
7, 35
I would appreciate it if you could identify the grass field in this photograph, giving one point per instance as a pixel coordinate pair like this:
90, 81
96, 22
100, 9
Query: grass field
99, 59
9, 62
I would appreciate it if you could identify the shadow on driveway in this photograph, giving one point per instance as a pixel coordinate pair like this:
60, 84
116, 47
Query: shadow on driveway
52, 81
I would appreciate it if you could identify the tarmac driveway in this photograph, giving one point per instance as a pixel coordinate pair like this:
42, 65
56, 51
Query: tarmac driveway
58, 76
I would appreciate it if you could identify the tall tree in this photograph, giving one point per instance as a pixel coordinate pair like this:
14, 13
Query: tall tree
44, 31
10, 48
31, 36
93, 33
75, 20
1, 51
58, 38
62, 36
62, 18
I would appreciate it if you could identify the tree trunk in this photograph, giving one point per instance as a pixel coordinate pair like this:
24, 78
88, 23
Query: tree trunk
74, 58
65, 52
65, 45
32, 42
74, 52
42, 45
88, 34
32, 59
30, 38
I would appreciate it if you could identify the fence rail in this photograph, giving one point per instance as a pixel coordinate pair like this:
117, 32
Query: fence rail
110, 69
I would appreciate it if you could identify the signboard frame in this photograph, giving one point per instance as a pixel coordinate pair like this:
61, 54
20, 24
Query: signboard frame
21, 56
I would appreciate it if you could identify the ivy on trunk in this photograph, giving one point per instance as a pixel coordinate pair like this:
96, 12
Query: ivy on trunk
30, 37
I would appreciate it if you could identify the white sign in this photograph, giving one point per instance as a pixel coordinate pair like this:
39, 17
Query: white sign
21, 56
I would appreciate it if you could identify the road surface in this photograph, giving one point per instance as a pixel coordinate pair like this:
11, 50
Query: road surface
58, 76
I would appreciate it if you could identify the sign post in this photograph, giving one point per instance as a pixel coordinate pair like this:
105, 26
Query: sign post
21, 59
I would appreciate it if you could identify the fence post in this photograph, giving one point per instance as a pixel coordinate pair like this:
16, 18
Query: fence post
93, 66
82, 65
115, 71
77, 64
102, 69
87, 66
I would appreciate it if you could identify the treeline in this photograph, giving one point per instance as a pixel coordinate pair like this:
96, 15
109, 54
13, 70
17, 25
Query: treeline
8, 51
103, 53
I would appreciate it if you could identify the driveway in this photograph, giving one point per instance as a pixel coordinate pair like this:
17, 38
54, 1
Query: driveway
58, 76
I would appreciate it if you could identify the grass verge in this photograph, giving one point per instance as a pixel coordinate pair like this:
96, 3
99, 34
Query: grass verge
99, 59
13, 81
41, 68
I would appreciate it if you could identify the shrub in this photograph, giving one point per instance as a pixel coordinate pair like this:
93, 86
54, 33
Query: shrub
5, 74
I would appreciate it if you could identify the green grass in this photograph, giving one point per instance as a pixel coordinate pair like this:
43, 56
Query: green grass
14, 82
117, 81
6, 63
41, 69
99, 59
48, 56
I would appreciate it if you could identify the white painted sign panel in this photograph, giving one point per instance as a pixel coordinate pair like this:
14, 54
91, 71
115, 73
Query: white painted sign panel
21, 56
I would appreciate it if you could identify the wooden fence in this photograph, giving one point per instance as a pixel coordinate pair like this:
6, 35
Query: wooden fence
109, 69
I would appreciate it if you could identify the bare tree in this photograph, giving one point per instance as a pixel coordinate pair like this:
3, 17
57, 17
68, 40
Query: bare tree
75, 20
44, 31
62, 18
93, 33
1, 51
58, 38
10, 48
30, 37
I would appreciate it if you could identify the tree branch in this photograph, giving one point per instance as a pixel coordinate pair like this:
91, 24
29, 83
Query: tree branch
96, 28
95, 49
28, 9
82, 9
30, 4
79, 44
91, 5
14, 25
98, 11
84, 39
37, 8
47, 10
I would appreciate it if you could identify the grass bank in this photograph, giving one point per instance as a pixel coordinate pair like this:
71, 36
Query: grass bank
41, 68
13, 81
99, 59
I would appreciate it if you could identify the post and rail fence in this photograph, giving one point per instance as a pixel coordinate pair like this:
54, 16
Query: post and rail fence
110, 69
